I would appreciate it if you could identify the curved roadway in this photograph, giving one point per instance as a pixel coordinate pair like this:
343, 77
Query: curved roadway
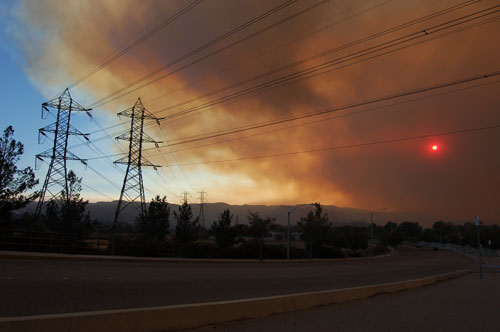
37, 286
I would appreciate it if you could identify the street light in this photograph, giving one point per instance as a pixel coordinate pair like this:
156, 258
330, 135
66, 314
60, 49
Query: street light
477, 222
371, 221
288, 229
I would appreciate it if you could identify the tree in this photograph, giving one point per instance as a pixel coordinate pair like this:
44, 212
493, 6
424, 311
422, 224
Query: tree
156, 224
351, 237
186, 229
411, 231
429, 235
223, 231
66, 214
447, 232
390, 227
439, 227
389, 234
13, 181
259, 227
315, 228
242, 230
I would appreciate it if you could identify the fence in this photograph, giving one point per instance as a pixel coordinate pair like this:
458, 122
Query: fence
127, 244
462, 249
52, 242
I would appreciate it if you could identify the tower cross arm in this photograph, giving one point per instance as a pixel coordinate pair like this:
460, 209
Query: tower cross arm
65, 103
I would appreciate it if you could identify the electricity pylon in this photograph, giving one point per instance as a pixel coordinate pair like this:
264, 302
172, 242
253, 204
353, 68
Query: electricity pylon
184, 197
203, 200
133, 187
57, 173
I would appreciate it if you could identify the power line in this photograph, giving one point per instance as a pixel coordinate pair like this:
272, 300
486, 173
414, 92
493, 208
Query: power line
226, 133
440, 36
402, 139
321, 54
120, 134
170, 169
231, 32
253, 57
334, 117
175, 163
321, 67
406, 93
166, 185
302, 75
343, 59
274, 48
214, 41
105, 178
362, 60
99, 152
136, 42
344, 107
98, 192
88, 143
88, 186
216, 51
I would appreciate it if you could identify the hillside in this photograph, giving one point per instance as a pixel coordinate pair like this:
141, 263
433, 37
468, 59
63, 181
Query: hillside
104, 212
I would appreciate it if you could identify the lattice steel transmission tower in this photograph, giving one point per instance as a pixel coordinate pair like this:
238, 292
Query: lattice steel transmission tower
59, 154
185, 197
203, 200
133, 187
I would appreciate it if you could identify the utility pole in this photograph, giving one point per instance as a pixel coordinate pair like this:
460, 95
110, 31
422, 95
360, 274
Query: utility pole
56, 180
203, 200
133, 187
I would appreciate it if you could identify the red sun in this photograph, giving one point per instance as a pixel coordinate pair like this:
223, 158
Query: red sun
434, 147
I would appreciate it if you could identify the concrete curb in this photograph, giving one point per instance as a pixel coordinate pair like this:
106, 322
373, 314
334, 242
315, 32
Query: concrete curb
97, 258
187, 316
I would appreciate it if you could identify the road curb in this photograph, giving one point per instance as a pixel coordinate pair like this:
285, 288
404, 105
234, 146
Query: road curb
187, 316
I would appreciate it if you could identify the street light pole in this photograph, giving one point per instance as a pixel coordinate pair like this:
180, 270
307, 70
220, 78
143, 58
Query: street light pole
288, 229
478, 224
371, 221
288, 237
371, 226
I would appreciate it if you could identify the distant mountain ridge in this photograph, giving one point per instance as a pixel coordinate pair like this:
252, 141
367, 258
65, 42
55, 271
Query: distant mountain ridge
104, 212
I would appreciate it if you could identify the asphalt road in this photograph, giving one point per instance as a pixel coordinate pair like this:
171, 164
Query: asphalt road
35, 286
464, 304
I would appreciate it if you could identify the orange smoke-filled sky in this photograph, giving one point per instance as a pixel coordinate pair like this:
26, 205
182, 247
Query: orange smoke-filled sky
61, 42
